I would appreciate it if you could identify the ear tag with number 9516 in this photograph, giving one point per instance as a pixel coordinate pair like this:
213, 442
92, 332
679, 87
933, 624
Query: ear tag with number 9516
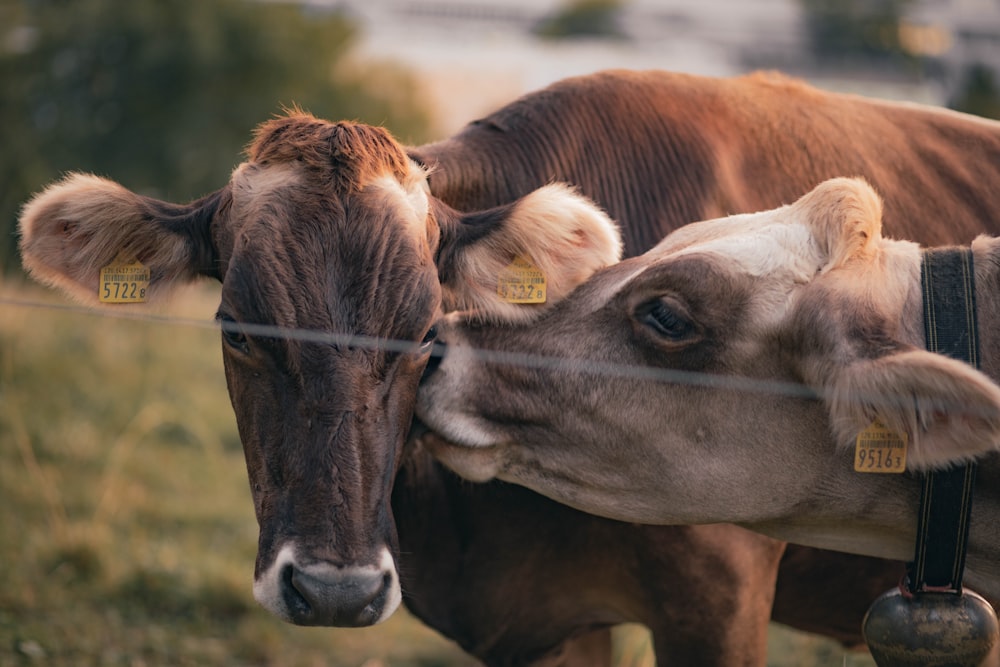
125, 280
880, 449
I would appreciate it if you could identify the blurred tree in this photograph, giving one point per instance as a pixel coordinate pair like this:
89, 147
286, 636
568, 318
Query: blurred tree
162, 95
852, 30
583, 18
979, 92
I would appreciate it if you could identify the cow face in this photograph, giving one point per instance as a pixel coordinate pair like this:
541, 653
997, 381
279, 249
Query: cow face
329, 249
734, 359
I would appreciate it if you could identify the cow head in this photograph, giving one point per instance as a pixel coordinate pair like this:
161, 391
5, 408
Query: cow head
739, 356
329, 249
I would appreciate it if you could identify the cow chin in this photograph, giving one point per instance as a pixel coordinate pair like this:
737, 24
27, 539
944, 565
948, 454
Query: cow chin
476, 464
323, 594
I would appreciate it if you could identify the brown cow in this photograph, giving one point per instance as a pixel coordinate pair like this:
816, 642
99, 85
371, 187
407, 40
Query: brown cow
795, 329
327, 228
699, 141
511, 576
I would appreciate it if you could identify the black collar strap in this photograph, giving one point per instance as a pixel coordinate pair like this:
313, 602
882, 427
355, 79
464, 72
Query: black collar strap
946, 499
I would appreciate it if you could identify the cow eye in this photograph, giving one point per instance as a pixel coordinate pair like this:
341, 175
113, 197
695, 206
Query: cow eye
232, 334
428, 341
667, 318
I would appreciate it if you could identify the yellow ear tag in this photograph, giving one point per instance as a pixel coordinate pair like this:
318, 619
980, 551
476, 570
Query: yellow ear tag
521, 282
879, 449
124, 281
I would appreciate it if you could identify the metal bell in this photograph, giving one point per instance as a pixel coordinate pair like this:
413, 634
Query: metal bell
932, 630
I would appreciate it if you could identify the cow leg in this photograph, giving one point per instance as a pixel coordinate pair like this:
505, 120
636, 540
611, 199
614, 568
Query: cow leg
717, 615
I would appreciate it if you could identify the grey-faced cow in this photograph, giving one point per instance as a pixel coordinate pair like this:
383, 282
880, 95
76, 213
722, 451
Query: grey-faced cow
322, 228
820, 319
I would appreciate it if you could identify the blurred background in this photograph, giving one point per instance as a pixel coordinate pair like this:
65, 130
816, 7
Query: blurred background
127, 534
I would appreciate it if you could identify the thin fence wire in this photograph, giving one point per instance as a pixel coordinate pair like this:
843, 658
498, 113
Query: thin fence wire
525, 360
595, 368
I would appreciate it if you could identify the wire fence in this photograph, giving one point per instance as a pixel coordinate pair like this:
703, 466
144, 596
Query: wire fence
522, 359
591, 367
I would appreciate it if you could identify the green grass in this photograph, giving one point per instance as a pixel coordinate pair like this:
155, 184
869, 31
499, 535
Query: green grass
127, 534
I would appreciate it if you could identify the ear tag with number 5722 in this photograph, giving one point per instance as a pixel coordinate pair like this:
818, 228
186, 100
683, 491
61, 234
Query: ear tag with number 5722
125, 280
521, 282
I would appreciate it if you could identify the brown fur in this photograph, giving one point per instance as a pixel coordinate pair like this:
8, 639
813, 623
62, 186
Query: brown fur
517, 604
348, 155
695, 148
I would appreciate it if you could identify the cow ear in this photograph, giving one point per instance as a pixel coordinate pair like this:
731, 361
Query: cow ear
77, 226
553, 235
948, 410
845, 215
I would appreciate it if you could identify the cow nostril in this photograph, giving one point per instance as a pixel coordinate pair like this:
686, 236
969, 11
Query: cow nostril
387, 580
298, 605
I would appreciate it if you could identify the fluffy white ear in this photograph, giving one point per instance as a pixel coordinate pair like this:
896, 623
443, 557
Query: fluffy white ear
846, 218
949, 411
79, 225
553, 235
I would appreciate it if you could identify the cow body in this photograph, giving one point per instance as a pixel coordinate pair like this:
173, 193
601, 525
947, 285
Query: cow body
329, 228
702, 590
658, 149
792, 330
473, 573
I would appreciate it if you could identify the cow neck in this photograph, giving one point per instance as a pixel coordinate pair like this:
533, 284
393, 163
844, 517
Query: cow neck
950, 328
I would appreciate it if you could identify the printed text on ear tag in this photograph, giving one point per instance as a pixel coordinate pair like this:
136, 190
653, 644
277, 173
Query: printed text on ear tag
521, 282
123, 281
879, 449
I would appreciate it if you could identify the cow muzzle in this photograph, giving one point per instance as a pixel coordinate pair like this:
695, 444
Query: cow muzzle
325, 594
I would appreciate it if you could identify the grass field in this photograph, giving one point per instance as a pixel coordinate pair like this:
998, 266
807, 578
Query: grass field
127, 534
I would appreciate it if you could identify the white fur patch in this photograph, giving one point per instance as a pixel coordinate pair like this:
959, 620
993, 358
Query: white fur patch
267, 587
250, 182
413, 195
759, 244
462, 427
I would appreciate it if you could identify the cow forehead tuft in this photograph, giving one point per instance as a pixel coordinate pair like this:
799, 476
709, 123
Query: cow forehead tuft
347, 154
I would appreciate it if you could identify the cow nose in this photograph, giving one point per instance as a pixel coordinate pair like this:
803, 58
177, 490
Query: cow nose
335, 598
321, 592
